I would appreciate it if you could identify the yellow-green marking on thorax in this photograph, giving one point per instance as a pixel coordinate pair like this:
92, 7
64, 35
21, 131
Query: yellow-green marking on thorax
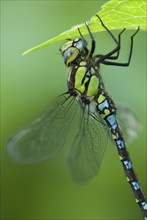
80, 83
80, 73
93, 86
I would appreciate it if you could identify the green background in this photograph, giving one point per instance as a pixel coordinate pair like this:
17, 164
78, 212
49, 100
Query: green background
29, 83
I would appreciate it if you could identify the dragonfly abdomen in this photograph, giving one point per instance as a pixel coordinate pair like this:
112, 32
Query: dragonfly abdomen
107, 110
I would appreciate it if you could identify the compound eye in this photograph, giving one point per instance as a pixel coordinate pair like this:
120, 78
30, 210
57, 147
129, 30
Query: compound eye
66, 45
70, 55
79, 45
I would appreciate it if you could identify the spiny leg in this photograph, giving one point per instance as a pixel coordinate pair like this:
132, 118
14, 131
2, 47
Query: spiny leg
83, 40
130, 54
108, 56
92, 40
115, 57
117, 48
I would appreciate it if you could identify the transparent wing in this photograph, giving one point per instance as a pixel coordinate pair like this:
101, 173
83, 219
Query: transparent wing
87, 150
46, 135
130, 125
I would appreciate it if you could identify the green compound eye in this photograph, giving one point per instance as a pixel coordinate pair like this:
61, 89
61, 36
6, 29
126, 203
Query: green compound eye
66, 45
73, 49
70, 55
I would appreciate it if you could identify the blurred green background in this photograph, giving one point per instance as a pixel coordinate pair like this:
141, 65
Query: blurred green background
29, 83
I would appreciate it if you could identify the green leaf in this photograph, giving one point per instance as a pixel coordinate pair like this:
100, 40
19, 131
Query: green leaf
116, 14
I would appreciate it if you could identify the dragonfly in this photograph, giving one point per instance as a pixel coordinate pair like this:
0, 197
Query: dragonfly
98, 117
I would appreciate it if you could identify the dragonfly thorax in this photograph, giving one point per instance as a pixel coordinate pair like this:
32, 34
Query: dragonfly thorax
83, 81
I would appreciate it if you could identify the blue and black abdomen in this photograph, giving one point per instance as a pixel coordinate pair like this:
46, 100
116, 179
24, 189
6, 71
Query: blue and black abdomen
108, 112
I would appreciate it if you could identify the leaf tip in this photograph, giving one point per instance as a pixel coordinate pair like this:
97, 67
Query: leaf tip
25, 53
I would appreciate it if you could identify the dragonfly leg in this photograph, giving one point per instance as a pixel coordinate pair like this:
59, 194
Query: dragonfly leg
104, 61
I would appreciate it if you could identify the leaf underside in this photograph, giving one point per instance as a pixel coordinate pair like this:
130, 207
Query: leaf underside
116, 14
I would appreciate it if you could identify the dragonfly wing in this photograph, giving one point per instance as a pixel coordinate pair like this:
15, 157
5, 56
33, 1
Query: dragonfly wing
87, 150
46, 135
129, 123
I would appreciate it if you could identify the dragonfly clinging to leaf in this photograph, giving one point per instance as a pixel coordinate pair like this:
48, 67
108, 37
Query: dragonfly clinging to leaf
98, 117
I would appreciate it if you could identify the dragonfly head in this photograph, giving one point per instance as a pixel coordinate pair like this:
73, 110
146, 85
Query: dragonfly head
74, 50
